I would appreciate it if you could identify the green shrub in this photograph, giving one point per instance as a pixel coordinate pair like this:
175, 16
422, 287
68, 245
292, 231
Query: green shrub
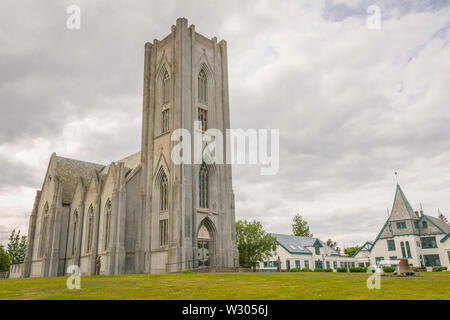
187, 271
328, 270
415, 269
295, 270
306, 270
364, 269
341, 269
438, 269
388, 269
318, 270
356, 269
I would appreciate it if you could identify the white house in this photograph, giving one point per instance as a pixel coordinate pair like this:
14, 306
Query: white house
305, 252
422, 239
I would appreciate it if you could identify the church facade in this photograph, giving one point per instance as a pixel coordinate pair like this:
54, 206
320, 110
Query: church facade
145, 213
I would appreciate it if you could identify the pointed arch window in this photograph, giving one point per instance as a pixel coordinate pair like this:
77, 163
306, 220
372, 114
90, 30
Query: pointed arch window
90, 229
424, 224
74, 235
203, 187
166, 87
164, 204
202, 87
43, 231
107, 224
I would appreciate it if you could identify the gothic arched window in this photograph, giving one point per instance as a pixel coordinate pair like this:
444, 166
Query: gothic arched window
107, 223
165, 88
424, 224
43, 231
90, 228
203, 187
74, 235
202, 87
164, 204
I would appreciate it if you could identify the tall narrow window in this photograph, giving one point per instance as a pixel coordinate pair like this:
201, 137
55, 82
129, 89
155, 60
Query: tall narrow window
202, 87
166, 88
408, 249
43, 231
163, 232
164, 194
74, 235
165, 121
402, 245
107, 223
203, 187
202, 117
90, 229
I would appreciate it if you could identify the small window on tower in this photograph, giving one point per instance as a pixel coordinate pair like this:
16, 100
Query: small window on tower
165, 121
202, 87
202, 117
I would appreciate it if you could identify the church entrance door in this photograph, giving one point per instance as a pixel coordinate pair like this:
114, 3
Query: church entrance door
203, 253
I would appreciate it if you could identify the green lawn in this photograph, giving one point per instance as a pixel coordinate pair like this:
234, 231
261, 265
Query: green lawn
228, 286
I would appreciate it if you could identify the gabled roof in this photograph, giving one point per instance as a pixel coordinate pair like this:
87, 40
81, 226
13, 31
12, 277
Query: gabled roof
401, 209
441, 225
297, 245
365, 247
69, 171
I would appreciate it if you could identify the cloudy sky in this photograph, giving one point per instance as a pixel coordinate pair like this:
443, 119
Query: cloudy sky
353, 104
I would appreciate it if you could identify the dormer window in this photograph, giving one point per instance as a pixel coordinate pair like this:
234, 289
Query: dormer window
424, 224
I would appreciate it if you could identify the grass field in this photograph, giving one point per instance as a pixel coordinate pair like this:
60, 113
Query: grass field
230, 286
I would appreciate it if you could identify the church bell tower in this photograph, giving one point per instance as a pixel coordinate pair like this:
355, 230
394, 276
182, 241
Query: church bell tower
188, 218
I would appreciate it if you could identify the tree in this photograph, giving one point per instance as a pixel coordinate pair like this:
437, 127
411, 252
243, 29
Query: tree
4, 259
442, 217
351, 250
17, 247
333, 245
300, 227
254, 244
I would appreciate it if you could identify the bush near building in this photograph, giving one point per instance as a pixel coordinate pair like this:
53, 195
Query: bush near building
438, 269
341, 269
388, 269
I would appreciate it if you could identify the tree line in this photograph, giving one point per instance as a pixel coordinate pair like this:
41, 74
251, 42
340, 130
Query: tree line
14, 251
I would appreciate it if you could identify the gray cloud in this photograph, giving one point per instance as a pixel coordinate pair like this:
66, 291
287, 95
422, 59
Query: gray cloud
353, 105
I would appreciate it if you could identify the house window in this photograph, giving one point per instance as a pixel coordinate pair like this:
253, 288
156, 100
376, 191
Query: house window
432, 260
274, 263
335, 265
297, 264
166, 88
401, 225
341, 264
328, 264
378, 259
448, 252
203, 118
203, 187
390, 227
202, 87
402, 245
306, 264
317, 250
408, 250
74, 235
429, 242
416, 224
163, 232
90, 228
107, 224
265, 264
43, 231
361, 264
424, 224
164, 202
165, 121
391, 245
393, 258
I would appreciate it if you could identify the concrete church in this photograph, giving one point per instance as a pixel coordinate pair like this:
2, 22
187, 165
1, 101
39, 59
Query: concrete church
143, 213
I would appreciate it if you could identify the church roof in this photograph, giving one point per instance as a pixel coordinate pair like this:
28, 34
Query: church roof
295, 244
401, 209
69, 171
